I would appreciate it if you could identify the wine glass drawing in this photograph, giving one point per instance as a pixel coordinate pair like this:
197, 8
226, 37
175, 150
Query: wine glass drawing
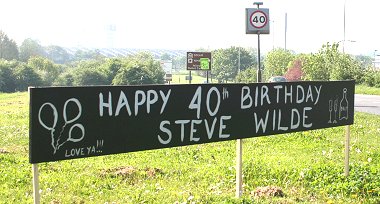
330, 108
335, 109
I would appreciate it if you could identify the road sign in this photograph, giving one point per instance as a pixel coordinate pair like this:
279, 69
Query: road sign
199, 61
257, 21
168, 77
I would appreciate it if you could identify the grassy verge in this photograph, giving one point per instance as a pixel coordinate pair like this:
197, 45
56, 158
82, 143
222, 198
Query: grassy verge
307, 166
180, 78
363, 89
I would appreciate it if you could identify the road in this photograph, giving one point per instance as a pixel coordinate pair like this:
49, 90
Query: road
367, 103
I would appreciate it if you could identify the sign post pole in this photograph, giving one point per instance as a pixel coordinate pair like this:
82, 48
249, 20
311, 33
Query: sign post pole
36, 185
239, 161
256, 22
259, 78
347, 152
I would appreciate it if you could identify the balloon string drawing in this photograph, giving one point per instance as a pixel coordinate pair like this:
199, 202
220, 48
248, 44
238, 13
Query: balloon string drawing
56, 141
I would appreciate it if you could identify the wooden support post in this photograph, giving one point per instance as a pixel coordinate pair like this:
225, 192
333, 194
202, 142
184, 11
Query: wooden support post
347, 152
239, 161
36, 185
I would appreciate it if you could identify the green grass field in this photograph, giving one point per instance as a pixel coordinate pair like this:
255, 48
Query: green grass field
362, 89
180, 78
306, 166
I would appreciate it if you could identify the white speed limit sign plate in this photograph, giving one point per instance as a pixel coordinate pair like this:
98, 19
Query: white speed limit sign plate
257, 21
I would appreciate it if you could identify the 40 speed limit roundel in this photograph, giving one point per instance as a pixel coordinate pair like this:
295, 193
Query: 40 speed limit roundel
257, 21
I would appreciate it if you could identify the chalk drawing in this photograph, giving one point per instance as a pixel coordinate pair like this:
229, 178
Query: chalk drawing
56, 140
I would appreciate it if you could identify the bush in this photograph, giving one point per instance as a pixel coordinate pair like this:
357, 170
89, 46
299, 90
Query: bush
294, 72
89, 76
247, 76
26, 76
372, 78
7, 78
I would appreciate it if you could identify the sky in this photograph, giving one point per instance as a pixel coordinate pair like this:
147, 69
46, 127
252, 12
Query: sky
190, 25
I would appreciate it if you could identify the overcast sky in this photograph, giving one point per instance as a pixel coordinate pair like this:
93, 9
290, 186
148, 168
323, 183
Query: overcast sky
187, 25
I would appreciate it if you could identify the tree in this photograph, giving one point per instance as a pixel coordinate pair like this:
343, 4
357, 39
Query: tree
314, 68
153, 67
30, 48
247, 76
89, 76
57, 54
26, 76
87, 55
111, 66
179, 62
65, 79
133, 75
225, 64
294, 72
330, 64
276, 62
7, 78
89, 72
47, 70
8, 47
365, 61
346, 68
140, 68
166, 56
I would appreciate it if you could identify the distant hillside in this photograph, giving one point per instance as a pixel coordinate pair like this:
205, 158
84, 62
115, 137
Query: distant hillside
122, 52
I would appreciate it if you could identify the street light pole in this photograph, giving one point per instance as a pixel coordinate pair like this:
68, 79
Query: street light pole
374, 59
344, 24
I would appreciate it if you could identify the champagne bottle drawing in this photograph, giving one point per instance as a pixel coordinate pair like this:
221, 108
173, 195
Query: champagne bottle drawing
343, 106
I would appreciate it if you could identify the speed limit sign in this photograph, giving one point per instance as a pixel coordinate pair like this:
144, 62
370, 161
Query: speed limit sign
257, 21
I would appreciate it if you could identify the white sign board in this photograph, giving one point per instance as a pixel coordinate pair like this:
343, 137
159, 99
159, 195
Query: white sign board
167, 66
257, 21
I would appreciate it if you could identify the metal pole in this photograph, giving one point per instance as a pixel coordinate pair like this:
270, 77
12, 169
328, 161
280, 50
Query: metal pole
344, 25
239, 61
286, 27
189, 77
259, 77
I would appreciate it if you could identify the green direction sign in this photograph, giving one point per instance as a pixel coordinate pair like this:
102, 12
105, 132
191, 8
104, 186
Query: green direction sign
204, 62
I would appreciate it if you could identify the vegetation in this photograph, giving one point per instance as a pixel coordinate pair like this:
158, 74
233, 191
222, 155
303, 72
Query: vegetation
306, 166
226, 63
276, 62
34, 65
8, 47
363, 89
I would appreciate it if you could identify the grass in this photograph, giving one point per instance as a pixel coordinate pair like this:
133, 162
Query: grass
180, 78
363, 89
307, 166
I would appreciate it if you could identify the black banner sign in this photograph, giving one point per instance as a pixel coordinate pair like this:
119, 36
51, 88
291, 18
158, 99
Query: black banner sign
77, 122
